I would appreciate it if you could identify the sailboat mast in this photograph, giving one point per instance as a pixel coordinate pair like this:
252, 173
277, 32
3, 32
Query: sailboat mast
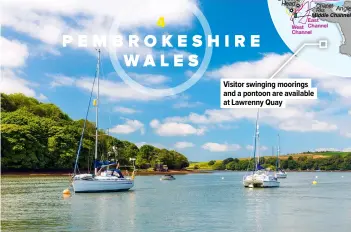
256, 141
97, 110
278, 152
258, 144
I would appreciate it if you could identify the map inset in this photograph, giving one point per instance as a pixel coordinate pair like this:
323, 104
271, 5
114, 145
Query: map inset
309, 21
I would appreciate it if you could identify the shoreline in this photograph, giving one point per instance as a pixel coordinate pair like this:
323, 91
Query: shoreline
138, 173
143, 172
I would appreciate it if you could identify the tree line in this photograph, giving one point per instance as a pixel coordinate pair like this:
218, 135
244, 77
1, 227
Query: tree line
39, 136
302, 163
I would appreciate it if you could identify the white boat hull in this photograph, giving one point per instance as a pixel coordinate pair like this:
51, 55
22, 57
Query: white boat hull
260, 181
281, 175
102, 184
162, 178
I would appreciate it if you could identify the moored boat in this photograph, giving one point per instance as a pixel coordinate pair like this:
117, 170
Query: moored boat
167, 177
109, 180
104, 179
259, 178
281, 174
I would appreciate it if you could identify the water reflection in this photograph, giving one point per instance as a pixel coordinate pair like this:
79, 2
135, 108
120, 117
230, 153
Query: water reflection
103, 211
33, 203
191, 203
254, 207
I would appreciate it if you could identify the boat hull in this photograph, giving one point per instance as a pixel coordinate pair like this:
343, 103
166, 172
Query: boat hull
260, 181
261, 184
95, 185
167, 178
281, 175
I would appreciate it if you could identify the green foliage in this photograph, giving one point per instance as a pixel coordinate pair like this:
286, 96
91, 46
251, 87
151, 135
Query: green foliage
211, 162
226, 161
218, 166
338, 161
40, 136
20, 149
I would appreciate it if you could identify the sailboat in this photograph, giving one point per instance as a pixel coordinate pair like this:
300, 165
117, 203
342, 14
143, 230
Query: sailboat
104, 178
259, 177
280, 172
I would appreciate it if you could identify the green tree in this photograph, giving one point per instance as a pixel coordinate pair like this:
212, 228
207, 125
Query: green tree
20, 149
211, 162
40, 136
226, 161
231, 166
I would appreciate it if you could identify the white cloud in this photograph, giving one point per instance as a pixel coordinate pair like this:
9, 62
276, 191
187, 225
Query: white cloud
339, 86
326, 149
332, 149
125, 110
308, 125
175, 129
250, 148
149, 79
346, 134
42, 97
289, 119
186, 104
217, 147
269, 63
158, 145
182, 145
44, 49
113, 90
130, 126
61, 80
48, 20
172, 52
265, 67
349, 112
140, 144
13, 53
129, 13
155, 123
300, 116
11, 83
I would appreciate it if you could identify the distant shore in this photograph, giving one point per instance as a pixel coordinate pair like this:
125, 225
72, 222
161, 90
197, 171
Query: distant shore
67, 173
141, 172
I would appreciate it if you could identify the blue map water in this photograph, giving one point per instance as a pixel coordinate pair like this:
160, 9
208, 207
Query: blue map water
339, 3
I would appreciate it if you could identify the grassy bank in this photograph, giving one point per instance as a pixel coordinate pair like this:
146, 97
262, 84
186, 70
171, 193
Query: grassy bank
329, 160
204, 165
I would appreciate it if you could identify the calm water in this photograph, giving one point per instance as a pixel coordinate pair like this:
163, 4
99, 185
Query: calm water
200, 202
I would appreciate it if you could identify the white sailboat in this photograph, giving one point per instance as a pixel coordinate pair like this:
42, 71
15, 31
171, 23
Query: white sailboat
259, 178
281, 174
103, 180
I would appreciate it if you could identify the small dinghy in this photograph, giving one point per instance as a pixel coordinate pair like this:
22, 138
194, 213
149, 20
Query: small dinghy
167, 177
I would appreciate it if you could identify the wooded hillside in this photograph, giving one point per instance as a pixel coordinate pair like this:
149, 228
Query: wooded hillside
37, 135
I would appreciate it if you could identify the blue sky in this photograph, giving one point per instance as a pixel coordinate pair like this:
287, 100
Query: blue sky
192, 123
